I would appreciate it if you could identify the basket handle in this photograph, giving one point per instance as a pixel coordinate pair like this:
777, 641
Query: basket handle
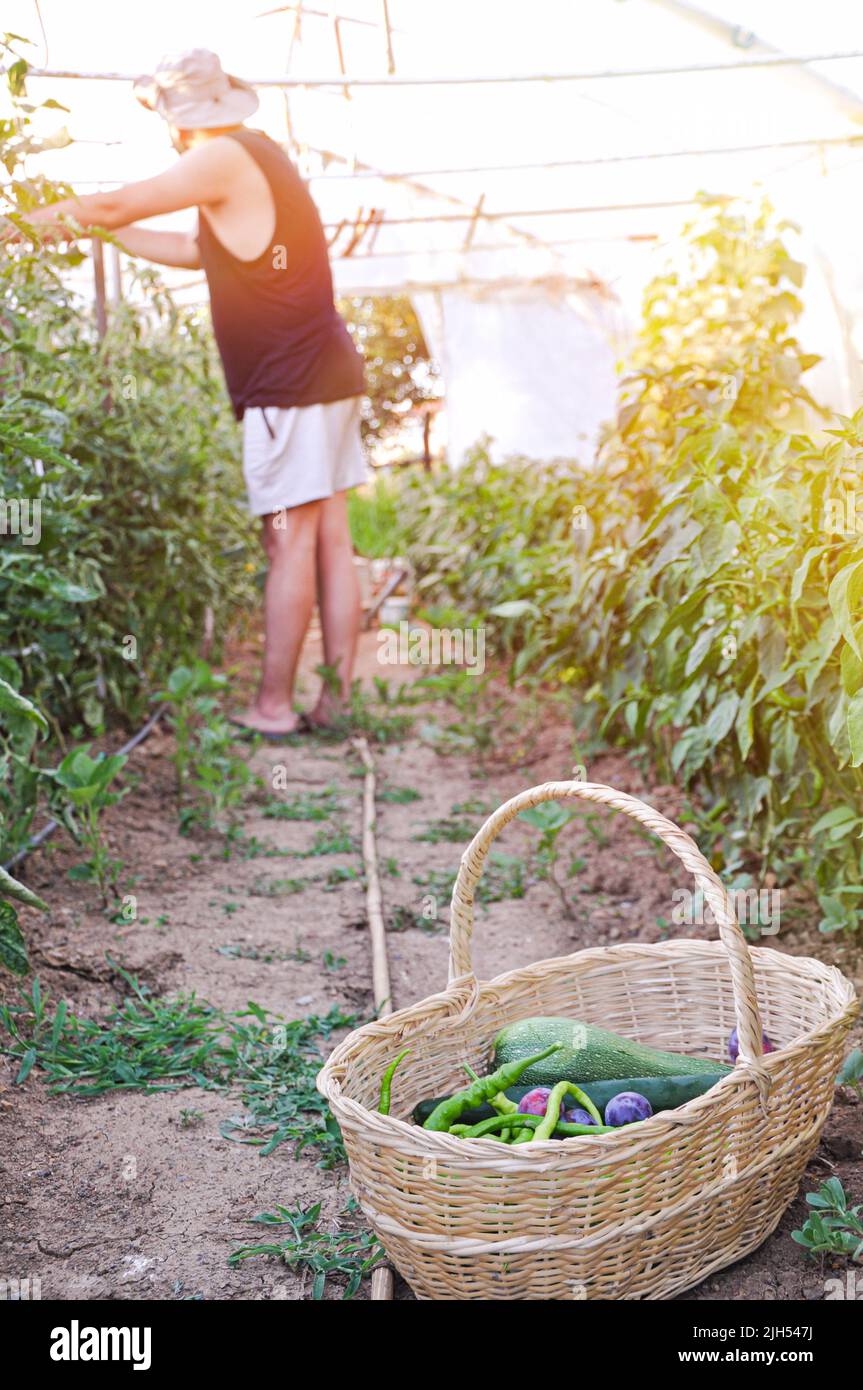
471, 867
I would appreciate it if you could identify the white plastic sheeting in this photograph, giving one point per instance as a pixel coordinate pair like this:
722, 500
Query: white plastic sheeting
529, 366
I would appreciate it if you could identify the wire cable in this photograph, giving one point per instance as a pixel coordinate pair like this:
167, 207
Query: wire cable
592, 161
340, 80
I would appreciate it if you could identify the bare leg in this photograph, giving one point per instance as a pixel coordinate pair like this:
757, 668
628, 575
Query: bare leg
290, 539
338, 602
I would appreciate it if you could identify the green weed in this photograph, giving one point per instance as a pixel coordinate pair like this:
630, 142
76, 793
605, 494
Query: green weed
833, 1228
450, 831
148, 1044
505, 876
346, 1256
398, 796
278, 887
329, 842
851, 1073
306, 806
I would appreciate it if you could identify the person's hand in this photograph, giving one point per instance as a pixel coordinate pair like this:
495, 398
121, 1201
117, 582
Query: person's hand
9, 233
50, 230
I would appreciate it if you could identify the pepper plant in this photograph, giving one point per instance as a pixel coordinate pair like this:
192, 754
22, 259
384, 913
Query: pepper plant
79, 795
20, 725
211, 777
699, 589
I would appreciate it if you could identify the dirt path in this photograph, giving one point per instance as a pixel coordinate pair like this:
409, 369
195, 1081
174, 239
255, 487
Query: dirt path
134, 1195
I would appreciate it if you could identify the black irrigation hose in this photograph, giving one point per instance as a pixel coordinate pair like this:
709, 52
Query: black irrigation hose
50, 826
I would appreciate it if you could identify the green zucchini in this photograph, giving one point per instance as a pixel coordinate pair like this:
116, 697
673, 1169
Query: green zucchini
587, 1053
663, 1092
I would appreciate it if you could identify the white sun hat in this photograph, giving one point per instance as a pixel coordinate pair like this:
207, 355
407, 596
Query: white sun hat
192, 91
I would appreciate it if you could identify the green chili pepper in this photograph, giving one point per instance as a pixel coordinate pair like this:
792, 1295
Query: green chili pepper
518, 1124
501, 1103
484, 1089
551, 1118
387, 1081
485, 1129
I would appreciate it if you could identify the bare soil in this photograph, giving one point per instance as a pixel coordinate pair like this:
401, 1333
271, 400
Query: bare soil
132, 1196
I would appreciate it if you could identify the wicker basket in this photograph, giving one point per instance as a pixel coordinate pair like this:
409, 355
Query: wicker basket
642, 1213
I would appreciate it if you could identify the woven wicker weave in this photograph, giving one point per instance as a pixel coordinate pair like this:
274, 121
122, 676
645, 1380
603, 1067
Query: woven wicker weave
644, 1212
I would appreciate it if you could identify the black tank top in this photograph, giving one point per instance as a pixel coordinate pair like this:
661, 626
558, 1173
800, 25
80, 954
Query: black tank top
281, 340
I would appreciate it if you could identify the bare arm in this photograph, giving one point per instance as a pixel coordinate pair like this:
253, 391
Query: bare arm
202, 176
166, 248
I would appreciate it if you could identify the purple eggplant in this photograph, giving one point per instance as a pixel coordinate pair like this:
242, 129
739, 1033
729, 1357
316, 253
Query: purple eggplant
577, 1116
734, 1044
535, 1102
626, 1108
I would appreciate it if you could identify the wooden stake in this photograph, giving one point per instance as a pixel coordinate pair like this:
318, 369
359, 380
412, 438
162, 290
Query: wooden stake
382, 1277
374, 608
99, 284
116, 293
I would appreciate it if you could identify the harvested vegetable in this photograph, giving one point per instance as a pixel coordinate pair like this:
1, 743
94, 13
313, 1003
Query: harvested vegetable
589, 1053
387, 1081
534, 1102
496, 1125
734, 1044
627, 1109
552, 1115
577, 1116
499, 1103
484, 1089
663, 1092
524, 1125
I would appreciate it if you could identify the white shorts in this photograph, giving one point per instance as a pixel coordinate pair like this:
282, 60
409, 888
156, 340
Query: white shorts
301, 454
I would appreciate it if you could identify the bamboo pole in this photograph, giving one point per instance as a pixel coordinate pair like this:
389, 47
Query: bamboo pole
382, 1277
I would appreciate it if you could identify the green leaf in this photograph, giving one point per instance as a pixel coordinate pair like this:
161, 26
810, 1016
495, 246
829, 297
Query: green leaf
700, 649
851, 668
851, 1072
845, 597
515, 608
679, 543
13, 949
11, 888
855, 728
838, 816
721, 718
743, 723
13, 702
719, 544
58, 1024
802, 572
679, 616
27, 1063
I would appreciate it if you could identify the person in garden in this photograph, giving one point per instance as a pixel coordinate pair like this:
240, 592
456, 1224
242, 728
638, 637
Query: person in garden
293, 374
